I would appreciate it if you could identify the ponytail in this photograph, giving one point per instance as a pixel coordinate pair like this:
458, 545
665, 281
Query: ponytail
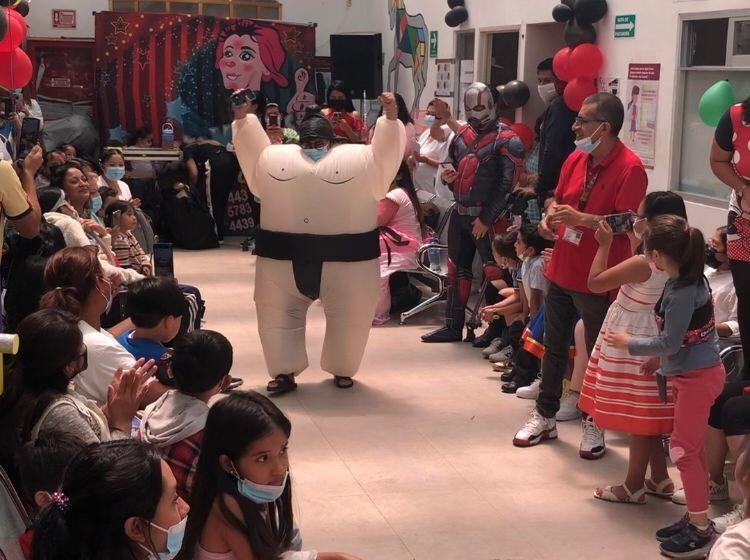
686, 246
70, 276
61, 298
53, 539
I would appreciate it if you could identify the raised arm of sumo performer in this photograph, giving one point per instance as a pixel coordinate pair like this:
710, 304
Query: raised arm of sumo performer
249, 141
387, 147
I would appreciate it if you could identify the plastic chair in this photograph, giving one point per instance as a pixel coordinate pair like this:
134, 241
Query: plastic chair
14, 520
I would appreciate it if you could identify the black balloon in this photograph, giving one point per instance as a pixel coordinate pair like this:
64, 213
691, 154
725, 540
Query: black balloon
3, 24
453, 3
569, 3
590, 11
562, 13
516, 94
456, 16
577, 34
23, 8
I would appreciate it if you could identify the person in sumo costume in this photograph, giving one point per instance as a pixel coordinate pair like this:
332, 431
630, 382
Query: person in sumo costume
318, 237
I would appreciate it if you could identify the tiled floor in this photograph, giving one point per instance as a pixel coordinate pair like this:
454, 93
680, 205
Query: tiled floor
416, 460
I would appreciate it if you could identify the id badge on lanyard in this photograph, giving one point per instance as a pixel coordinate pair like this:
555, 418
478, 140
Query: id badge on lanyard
572, 235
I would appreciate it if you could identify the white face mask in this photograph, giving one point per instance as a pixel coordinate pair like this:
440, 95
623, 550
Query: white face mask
587, 145
547, 92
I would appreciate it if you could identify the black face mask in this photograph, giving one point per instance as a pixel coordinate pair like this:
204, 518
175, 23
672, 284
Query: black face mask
337, 104
711, 259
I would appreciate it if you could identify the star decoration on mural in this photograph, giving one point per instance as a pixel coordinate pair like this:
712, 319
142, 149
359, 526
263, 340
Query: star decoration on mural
111, 39
119, 134
291, 41
105, 79
143, 58
177, 109
120, 26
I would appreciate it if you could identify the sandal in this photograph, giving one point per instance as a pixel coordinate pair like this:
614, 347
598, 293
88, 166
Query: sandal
659, 490
281, 384
606, 494
343, 382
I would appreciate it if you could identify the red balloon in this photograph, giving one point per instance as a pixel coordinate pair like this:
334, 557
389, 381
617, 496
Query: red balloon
506, 120
525, 134
577, 91
586, 61
16, 31
561, 64
15, 69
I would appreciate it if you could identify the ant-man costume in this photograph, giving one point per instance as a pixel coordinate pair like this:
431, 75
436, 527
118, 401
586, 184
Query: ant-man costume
488, 157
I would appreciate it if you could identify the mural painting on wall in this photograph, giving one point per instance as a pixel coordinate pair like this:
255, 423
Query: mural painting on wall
409, 49
156, 67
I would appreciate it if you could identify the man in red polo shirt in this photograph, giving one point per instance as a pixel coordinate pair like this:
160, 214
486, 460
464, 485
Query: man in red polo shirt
601, 177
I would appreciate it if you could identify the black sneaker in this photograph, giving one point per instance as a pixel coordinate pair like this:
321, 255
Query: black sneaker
444, 334
689, 543
667, 533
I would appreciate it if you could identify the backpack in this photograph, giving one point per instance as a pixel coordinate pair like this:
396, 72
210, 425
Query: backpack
187, 222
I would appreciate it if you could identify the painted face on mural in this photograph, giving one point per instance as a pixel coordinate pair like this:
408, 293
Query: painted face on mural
240, 63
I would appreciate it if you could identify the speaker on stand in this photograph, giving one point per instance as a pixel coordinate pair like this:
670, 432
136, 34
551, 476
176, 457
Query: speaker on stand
357, 60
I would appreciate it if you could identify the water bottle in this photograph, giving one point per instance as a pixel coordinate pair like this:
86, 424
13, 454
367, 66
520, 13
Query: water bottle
532, 211
167, 135
434, 257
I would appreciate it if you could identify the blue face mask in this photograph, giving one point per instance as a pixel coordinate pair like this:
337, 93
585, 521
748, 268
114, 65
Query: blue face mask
114, 173
586, 145
316, 154
429, 120
260, 493
175, 535
96, 204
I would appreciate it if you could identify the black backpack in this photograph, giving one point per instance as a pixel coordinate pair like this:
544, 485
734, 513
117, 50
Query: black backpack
187, 222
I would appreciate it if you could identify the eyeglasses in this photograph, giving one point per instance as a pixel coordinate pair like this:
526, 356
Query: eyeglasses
583, 120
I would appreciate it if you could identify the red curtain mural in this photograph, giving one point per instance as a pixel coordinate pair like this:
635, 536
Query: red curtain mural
151, 68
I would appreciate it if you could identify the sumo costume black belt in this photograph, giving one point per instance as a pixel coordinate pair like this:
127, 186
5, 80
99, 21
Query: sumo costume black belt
308, 252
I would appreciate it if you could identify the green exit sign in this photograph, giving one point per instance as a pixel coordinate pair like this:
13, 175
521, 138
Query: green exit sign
625, 26
433, 44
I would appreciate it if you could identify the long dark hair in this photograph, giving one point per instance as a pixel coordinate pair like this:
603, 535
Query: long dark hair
673, 237
660, 203
49, 340
407, 184
258, 417
339, 86
403, 111
104, 486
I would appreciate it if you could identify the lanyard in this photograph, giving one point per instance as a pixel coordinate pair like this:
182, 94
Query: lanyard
589, 182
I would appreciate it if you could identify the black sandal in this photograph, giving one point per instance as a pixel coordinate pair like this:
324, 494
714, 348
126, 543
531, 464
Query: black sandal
281, 384
343, 382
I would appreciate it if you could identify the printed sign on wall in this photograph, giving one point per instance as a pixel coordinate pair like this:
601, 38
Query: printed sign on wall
642, 103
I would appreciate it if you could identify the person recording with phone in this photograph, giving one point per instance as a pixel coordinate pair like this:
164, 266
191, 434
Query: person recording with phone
346, 122
273, 122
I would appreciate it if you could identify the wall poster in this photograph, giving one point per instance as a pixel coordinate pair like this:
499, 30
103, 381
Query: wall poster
641, 108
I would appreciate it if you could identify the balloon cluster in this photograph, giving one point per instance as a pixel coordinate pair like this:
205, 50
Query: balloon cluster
457, 13
580, 62
15, 66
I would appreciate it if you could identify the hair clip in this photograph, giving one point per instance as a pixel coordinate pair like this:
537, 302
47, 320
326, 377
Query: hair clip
61, 501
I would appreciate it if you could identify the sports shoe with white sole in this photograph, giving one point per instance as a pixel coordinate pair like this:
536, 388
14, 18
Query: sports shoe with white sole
730, 519
495, 346
536, 430
569, 408
530, 391
592, 440
502, 355
716, 493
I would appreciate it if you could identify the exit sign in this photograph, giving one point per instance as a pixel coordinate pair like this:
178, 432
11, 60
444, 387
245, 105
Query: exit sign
433, 44
625, 26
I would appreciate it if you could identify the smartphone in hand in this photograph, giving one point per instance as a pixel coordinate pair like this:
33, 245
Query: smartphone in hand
29, 136
239, 98
164, 260
620, 223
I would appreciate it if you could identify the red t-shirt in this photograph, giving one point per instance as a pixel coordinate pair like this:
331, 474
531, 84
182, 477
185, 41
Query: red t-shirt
620, 186
355, 123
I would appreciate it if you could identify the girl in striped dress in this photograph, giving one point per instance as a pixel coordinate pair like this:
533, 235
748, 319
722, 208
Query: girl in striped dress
616, 392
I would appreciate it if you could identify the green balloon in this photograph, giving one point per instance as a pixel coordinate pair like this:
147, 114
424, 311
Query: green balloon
715, 102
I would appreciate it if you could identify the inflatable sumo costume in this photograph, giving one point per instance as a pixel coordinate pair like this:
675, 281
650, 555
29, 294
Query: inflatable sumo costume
318, 238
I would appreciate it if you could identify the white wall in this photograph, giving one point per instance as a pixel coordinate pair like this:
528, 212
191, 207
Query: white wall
40, 17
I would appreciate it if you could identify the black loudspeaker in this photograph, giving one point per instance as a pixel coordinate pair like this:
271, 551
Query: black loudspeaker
357, 60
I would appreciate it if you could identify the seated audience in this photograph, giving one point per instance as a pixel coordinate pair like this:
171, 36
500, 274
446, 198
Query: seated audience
77, 284
69, 150
117, 500
200, 365
41, 464
400, 223
38, 396
113, 166
120, 217
155, 306
241, 505
734, 544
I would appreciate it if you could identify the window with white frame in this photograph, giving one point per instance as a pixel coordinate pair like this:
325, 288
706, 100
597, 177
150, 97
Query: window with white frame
712, 50
251, 9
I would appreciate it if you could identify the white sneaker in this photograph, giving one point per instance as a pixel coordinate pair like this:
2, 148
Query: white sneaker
592, 440
736, 515
716, 493
495, 346
502, 355
530, 391
537, 429
569, 408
